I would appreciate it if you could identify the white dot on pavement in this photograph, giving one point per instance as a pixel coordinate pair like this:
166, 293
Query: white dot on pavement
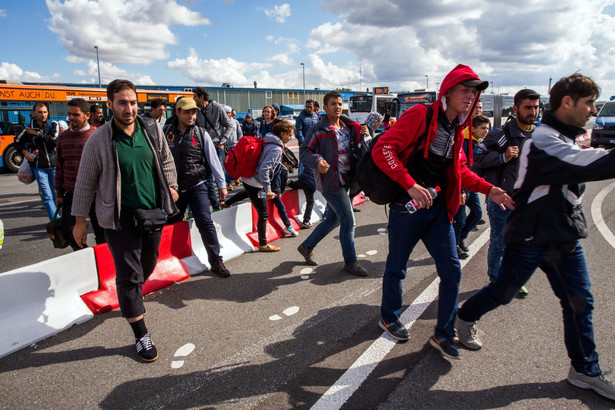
275, 317
185, 350
361, 256
382, 231
370, 253
291, 310
176, 364
306, 271
305, 277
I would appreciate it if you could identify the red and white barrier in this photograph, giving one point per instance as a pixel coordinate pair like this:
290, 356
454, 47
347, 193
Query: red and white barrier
40, 300
232, 226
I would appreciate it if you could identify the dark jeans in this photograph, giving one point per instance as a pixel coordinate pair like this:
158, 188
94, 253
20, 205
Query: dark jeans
309, 200
221, 154
68, 222
431, 226
237, 197
212, 192
260, 204
277, 201
464, 221
569, 279
196, 197
134, 257
497, 222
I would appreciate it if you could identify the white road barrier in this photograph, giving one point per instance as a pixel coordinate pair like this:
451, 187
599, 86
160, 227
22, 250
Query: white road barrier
40, 300
232, 226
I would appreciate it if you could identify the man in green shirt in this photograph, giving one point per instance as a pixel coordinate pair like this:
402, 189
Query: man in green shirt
146, 180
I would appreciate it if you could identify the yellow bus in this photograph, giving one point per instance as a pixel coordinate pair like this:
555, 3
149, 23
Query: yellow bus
17, 100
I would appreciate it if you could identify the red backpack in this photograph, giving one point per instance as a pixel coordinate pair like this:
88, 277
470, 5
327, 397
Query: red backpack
242, 159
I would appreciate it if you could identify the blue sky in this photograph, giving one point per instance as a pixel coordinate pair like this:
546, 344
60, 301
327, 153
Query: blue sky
343, 43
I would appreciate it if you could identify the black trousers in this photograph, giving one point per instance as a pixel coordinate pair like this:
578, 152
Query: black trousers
260, 204
134, 257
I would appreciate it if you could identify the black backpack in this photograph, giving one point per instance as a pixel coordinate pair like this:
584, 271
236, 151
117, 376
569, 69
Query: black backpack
377, 185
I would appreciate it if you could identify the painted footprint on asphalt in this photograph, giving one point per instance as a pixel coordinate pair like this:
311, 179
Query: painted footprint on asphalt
183, 351
368, 253
305, 273
288, 312
382, 231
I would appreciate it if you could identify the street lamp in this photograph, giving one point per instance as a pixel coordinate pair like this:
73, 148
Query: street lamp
98, 64
303, 67
426, 82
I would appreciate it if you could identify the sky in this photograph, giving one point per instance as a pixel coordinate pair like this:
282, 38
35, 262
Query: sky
354, 44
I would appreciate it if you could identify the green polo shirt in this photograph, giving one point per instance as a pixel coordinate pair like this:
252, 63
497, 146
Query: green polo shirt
137, 171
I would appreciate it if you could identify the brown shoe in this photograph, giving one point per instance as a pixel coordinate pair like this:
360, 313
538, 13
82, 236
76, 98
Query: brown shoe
268, 248
230, 187
237, 182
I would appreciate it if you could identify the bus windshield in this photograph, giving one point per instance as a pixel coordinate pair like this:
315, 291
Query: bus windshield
408, 100
360, 103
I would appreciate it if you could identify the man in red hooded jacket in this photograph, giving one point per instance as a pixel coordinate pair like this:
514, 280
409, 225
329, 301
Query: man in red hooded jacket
439, 162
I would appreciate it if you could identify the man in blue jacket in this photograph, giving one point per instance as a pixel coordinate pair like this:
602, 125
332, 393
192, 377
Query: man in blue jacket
544, 229
306, 119
329, 148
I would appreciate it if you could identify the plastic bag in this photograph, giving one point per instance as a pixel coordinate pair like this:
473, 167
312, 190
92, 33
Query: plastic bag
25, 173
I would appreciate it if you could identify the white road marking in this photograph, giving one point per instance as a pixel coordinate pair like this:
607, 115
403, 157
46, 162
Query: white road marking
306, 271
275, 317
371, 253
382, 231
183, 351
361, 256
596, 210
291, 310
358, 372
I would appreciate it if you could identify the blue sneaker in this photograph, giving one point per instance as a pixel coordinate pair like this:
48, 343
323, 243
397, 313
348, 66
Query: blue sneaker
396, 330
446, 347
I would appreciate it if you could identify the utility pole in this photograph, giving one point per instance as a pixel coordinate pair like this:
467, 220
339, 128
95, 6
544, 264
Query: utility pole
98, 64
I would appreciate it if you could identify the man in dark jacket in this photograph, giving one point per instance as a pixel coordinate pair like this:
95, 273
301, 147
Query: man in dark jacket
544, 229
305, 120
329, 149
213, 118
38, 145
195, 161
497, 159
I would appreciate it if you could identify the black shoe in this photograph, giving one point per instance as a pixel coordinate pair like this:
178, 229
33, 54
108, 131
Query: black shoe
462, 246
396, 330
446, 347
309, 256
461, 254
219, 269
356, 269
146, 349
481, 222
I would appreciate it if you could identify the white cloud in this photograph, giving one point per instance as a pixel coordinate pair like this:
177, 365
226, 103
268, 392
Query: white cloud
2, 13
226, 70
282, 58
12, 72
126, 31
109, 72
399, 42
279, 13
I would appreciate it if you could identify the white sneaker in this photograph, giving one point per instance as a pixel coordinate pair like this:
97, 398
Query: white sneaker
600, 384
466, 332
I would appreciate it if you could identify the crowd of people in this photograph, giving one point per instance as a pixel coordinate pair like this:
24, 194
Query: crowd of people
133, 174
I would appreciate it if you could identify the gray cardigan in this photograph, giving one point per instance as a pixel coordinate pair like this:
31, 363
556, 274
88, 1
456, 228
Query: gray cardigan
99, 174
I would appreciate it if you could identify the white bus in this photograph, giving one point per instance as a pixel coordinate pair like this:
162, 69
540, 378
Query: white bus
360, 105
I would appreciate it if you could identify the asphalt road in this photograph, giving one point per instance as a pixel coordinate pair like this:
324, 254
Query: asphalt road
278, 334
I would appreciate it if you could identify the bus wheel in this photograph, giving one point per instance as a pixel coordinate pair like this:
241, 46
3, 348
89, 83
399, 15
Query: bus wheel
12, 159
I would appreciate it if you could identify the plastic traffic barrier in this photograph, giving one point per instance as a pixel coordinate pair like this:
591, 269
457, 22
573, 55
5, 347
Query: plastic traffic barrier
232, 226
40, 300
274, 222
174, 245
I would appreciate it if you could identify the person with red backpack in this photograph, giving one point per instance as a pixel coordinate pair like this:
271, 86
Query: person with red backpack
258, 186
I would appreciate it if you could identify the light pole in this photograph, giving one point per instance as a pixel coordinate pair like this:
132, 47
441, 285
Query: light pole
426, 82
98, 64
303, 67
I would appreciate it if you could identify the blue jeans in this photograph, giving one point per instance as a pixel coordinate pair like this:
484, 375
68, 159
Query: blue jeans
472, 218
221, 154
212, 192
340, 215
432, 226
196, 197
497, 221
46, 179
569, 279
